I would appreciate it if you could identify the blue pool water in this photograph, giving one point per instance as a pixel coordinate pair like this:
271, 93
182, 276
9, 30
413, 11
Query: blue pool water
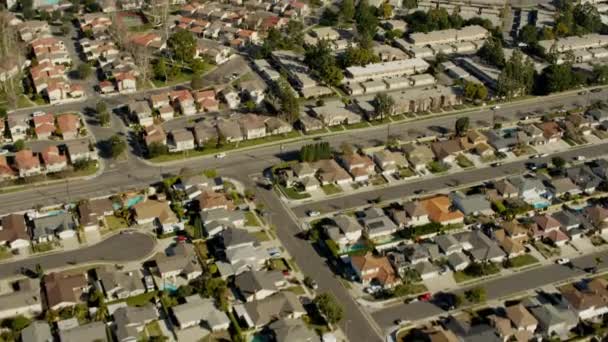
131, 202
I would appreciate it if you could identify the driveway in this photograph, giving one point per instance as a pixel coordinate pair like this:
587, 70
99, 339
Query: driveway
118, 248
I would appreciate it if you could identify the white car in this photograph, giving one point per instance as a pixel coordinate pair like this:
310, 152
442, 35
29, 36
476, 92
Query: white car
497, 107
543, 155
220, 155
580, 158
562, 261
314, 213
38, 113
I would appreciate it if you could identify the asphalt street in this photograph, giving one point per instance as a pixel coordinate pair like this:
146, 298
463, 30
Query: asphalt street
439, 183
355, 325
120, 176
529, 280
118, 248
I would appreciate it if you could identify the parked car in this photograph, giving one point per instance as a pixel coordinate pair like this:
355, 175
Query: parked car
149, 282
220, 155
274, 252
313, 213
562, 261
425, 297
497, 164
580, 158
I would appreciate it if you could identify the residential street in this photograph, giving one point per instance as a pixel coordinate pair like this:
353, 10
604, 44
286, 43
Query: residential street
529, 280
120, 248
355, 324
134, 173
438, 183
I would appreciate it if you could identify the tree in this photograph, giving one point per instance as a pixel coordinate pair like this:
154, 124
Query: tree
558, 162
529, 34
141, 58
347, 10
365, 16
384, 105
3, 112
160, 70
386, 10
84, 71
322, 62
409, 4
329, 17
358, 56
329, 308
289, 103
18, 145
600, 73
197, 82
117, 146
102, 113
492, 52
476, 295
156, 149
347, 149
183, 45
462, 126
556, 78
198, 66
516, 77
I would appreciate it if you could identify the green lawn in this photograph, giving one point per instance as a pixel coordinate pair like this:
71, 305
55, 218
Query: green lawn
278, 264
202, 250
114, 222
5, 253
153, 329
338, 128
43, 247
362, 124
292, 193
464, 162
225, 148
437, 167
546, 250
406, 172
251, 220
378, 180
381, 122
522, 260
331, 189
182, 77
141, 299
297, 290
466, 275
261, 236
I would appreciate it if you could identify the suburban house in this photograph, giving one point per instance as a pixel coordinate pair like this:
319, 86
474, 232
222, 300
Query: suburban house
439, 210
416, 213
360, 167
206, 100
47, 228
374, 269
472, 205
44, 125
131, 321
447, 150
17, 128
14, 233
93, 211
53, 160
159, 213
551, 131
38, 331
345, 231
80, 150
142, 112
480, 247
68, 125
119, 285
63, 289
388, 161
521, 318
154, 134
329, 172
27, 163
181, 139
598, 216
23, 300
230, 130
257, 285
94, 331
448, 244
377, 225
197, 310
6, 171
531, 191
587, 300
292, 330
183, 262
258, 313
183, 100
554, 320
253, 126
